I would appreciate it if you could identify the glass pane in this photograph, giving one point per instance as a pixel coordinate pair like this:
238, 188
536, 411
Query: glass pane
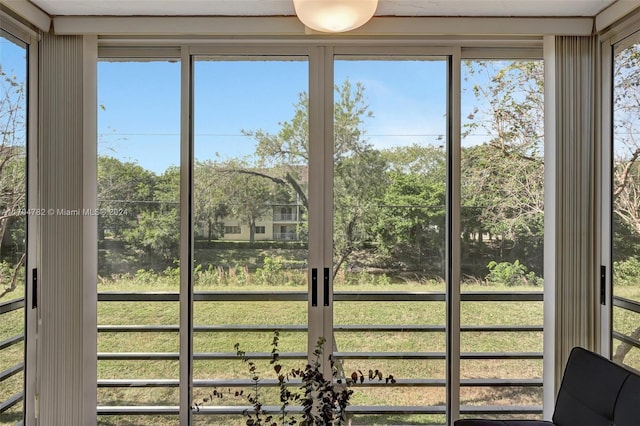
502, 218
138, 231
626, 207
13, 225
390, 121
250, 222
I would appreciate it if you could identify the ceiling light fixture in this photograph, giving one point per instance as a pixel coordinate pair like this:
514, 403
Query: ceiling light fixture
335, 16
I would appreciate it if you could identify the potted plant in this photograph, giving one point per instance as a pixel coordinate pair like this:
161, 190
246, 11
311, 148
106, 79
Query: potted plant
323, 400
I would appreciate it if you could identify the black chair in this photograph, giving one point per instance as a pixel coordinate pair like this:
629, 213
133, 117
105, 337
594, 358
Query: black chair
594, 392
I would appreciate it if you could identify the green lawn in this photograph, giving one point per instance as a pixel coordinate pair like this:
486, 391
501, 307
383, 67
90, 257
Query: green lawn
278, 314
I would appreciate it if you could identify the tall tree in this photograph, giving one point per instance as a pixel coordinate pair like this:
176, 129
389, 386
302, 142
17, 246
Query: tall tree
210, 198
125, 190
286, 154
250, 195
503, 161
410, 223
157, 228
12, 178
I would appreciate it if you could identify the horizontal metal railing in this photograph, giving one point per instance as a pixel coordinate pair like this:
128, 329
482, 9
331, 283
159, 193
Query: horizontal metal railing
11, 305
226, 383
628, 305
5, 308
353, 410
17, 304
300, 296
11, 401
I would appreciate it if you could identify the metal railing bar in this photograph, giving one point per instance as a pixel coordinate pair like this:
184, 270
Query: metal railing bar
11, 305
199, 356
4, 406
223, 410
501, 409
148, 410
11, 371
224, 383
628, 304
501, 382
301, 296
249, 296
138, 383
368, 409
138, 329
304, 328
353, 410
436, 355
382, 296
11, 341
507, 296
125, 296
627, 339
138, 356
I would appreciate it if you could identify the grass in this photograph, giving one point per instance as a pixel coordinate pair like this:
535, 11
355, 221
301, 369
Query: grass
294, 313
349, 313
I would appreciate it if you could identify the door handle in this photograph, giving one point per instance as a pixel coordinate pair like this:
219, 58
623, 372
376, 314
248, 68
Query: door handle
314, 286
326, 286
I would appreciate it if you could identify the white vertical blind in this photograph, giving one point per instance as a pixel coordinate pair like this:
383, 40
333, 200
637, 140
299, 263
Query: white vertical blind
66, 369
577, 260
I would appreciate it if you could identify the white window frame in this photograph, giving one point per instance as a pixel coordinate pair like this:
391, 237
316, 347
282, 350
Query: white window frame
618, 37
320, 54
24, 35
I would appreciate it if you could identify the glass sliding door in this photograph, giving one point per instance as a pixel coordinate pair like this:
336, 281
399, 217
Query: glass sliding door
320, 187
625, 198
138, 239
502, 217
389, 189
250, 204
13, 226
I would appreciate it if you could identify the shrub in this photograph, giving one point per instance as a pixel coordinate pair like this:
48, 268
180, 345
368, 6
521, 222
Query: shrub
511, 274
626, 272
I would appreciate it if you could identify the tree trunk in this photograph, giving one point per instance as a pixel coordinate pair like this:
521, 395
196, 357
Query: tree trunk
624, 348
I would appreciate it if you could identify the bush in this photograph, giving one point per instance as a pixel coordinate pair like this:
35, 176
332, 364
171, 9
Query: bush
626, 272
271, 271
511, 274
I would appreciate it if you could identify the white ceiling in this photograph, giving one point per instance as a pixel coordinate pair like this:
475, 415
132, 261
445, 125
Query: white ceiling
522, 8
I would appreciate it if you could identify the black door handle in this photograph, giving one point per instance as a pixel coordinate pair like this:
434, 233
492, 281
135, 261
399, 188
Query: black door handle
326, 286
314, 286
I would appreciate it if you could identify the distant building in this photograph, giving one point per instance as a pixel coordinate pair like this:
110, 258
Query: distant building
281, 224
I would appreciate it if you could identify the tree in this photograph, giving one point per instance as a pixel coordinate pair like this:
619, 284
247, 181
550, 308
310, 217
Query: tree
210, 198
412, 208
359, 182
250, 195
508, 115
12, 178
157, 228
286, 156
125, 190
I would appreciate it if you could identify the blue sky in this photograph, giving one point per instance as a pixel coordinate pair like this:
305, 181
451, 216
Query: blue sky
141, 120
13, 60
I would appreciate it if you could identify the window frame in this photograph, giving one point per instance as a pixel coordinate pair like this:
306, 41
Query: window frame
320, 54
23, 35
